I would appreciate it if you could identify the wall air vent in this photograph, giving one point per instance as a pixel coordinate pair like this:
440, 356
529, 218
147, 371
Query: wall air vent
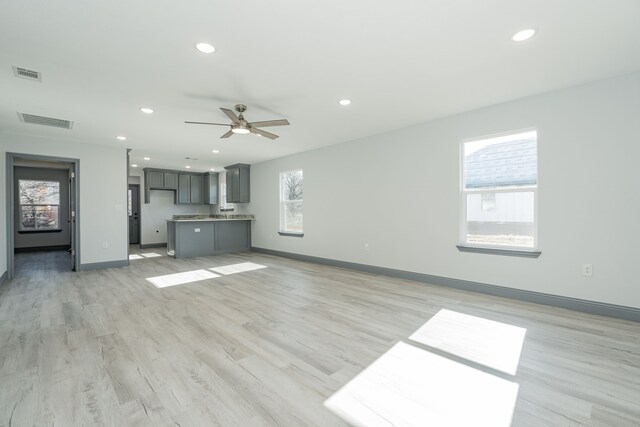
27, 74
45, 121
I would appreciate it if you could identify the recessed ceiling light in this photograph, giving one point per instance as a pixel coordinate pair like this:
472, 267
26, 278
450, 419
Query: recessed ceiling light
188, 167
345, 101
134, 166
523, 35
122, 138
215, 151
146, 110
147, 158
205, 47
212, 169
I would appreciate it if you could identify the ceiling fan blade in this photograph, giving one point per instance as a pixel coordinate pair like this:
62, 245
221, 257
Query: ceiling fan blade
263, 133
227, 135
231, 115
264, 124
207, 123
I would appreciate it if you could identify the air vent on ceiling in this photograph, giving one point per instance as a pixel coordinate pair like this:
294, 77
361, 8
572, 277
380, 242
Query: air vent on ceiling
27, 74
45, 121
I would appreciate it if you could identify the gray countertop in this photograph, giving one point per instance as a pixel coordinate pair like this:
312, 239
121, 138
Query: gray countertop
212, 218
209, 219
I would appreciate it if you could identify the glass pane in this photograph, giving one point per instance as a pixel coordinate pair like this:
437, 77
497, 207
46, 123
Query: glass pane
129, 203
507, 161
34, 192
27, 217
39, 217
509, 223
293, 216
292, 185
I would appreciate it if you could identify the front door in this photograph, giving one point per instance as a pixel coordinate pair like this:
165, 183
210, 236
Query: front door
134, 214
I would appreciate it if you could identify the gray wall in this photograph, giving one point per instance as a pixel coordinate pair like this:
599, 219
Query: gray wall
400, 193
33, 240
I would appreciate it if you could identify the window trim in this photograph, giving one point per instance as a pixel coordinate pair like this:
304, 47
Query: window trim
282, 231
22, 230
464, 246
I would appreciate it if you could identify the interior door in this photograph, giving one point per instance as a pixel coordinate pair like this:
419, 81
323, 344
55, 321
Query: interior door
134, 214
72, 216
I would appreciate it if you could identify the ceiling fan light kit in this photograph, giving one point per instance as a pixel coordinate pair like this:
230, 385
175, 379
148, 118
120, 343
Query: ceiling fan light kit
240, 126
240, 129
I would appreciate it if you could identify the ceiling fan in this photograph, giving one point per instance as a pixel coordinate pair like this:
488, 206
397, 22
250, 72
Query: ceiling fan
241, 126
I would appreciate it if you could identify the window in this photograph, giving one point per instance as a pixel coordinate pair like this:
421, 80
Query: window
499, 192
39, 205
291, 205
223, 206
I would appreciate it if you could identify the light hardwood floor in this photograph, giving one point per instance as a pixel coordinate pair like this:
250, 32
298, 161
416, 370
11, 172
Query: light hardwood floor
269, 346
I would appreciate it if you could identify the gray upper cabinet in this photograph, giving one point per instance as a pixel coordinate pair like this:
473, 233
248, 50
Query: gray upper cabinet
210, 188
170, 181
155, 179
238, 183
196, 189
189, 189
184, 188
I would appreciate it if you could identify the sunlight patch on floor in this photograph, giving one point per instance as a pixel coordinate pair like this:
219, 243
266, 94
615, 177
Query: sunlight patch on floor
410, 386
237, 268
181, 278
150, 255
492, 344
135, 256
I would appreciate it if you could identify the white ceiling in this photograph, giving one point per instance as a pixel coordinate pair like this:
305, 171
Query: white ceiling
400, 62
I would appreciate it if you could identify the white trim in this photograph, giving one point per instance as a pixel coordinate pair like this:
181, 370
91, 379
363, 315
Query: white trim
463, 227
281, 202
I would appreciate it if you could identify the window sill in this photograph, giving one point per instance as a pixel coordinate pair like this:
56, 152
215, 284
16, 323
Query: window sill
53, 230
493, 251
287, 233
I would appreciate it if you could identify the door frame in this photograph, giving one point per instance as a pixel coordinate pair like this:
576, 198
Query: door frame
10, 199
139, 213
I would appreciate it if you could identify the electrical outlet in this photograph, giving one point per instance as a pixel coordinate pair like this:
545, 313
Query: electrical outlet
587, 269
105, 245
366, 247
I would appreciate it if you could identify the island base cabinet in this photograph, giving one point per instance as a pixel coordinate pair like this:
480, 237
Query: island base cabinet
233, 236
186, 239
193, 239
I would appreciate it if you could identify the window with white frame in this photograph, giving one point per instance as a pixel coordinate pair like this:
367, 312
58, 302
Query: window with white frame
39, 205
291, 204
499, 192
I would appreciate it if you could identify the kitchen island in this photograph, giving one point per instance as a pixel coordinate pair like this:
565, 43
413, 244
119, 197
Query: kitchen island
191, 236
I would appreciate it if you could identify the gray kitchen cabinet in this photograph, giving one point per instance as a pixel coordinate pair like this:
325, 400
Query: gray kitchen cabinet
189, 189
196, 189
232, 236
170, 181
184, 188
191, 239
187, 238
155, 179
210, 188
238, 190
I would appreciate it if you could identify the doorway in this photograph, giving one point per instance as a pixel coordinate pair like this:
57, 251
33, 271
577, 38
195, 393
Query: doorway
42, 213
134, 214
